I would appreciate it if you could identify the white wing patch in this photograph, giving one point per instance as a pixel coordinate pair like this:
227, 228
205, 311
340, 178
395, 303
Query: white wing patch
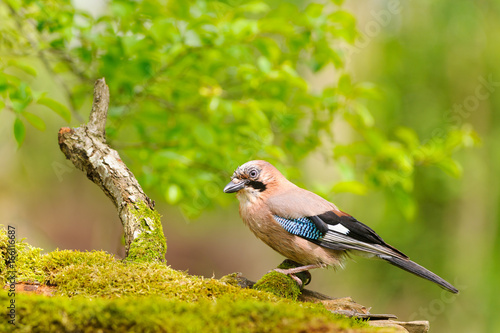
339, 228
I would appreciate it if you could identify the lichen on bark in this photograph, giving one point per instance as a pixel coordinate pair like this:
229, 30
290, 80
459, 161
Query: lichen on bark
150, 244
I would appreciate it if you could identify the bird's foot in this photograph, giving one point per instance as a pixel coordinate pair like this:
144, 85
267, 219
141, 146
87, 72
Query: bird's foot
301, 270
298, 273
293, 276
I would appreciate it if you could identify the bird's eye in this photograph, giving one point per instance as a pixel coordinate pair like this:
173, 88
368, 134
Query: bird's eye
253, 173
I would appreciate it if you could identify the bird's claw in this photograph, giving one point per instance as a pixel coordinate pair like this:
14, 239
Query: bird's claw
292, 275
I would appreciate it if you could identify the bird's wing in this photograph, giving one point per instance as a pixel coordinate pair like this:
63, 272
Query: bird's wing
338, 231
310, 216
343, 224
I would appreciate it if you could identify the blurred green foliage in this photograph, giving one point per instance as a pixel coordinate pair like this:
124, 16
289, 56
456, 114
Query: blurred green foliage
199, 87
436, 66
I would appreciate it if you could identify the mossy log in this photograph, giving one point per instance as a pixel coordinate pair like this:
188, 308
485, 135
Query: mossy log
72, 291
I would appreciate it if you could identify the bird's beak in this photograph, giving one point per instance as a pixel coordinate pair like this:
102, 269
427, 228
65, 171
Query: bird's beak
234, 187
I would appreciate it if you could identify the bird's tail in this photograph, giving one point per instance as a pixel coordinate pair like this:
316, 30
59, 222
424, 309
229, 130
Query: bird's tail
418, 270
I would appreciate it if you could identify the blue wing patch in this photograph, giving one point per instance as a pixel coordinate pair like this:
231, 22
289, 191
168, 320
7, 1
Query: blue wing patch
303, 227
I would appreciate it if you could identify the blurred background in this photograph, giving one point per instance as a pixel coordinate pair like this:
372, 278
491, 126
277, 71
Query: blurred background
415, 156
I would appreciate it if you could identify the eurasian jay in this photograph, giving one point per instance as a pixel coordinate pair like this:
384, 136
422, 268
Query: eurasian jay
306, 228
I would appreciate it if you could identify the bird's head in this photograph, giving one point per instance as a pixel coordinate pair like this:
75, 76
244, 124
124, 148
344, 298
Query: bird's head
253, 178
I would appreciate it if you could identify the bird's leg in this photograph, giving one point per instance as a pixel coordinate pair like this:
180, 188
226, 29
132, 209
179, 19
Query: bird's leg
296, 270
292, 271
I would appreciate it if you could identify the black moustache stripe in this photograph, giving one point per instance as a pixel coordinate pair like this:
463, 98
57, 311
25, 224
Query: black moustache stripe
260, 186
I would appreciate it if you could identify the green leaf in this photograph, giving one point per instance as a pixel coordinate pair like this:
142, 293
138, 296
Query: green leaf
255, 7
451, 167
351, 149
275, 152
343, 25
408, 136
191, 38
242, 28
121, 8
344, 85
19, 131
57, 107
34, 120
4, 84
351, 186
23, 66
21, 94
346, 169
19, 107
264, 64
314, 10
367, 90
365, 115
173, 194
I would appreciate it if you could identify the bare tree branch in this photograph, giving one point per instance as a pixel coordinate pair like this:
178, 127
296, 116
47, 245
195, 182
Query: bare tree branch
86, 147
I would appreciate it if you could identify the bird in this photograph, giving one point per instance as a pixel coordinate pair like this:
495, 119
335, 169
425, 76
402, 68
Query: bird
306, 228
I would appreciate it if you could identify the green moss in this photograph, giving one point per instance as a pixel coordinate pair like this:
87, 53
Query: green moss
98, 273
27, 263
151, 244
283, 285
231, 279
3, 255
36, 313
96, 292
33, 266
117, 279
278, 284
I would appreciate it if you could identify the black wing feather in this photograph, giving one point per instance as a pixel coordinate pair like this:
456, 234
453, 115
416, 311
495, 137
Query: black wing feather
357, 230
318, 222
